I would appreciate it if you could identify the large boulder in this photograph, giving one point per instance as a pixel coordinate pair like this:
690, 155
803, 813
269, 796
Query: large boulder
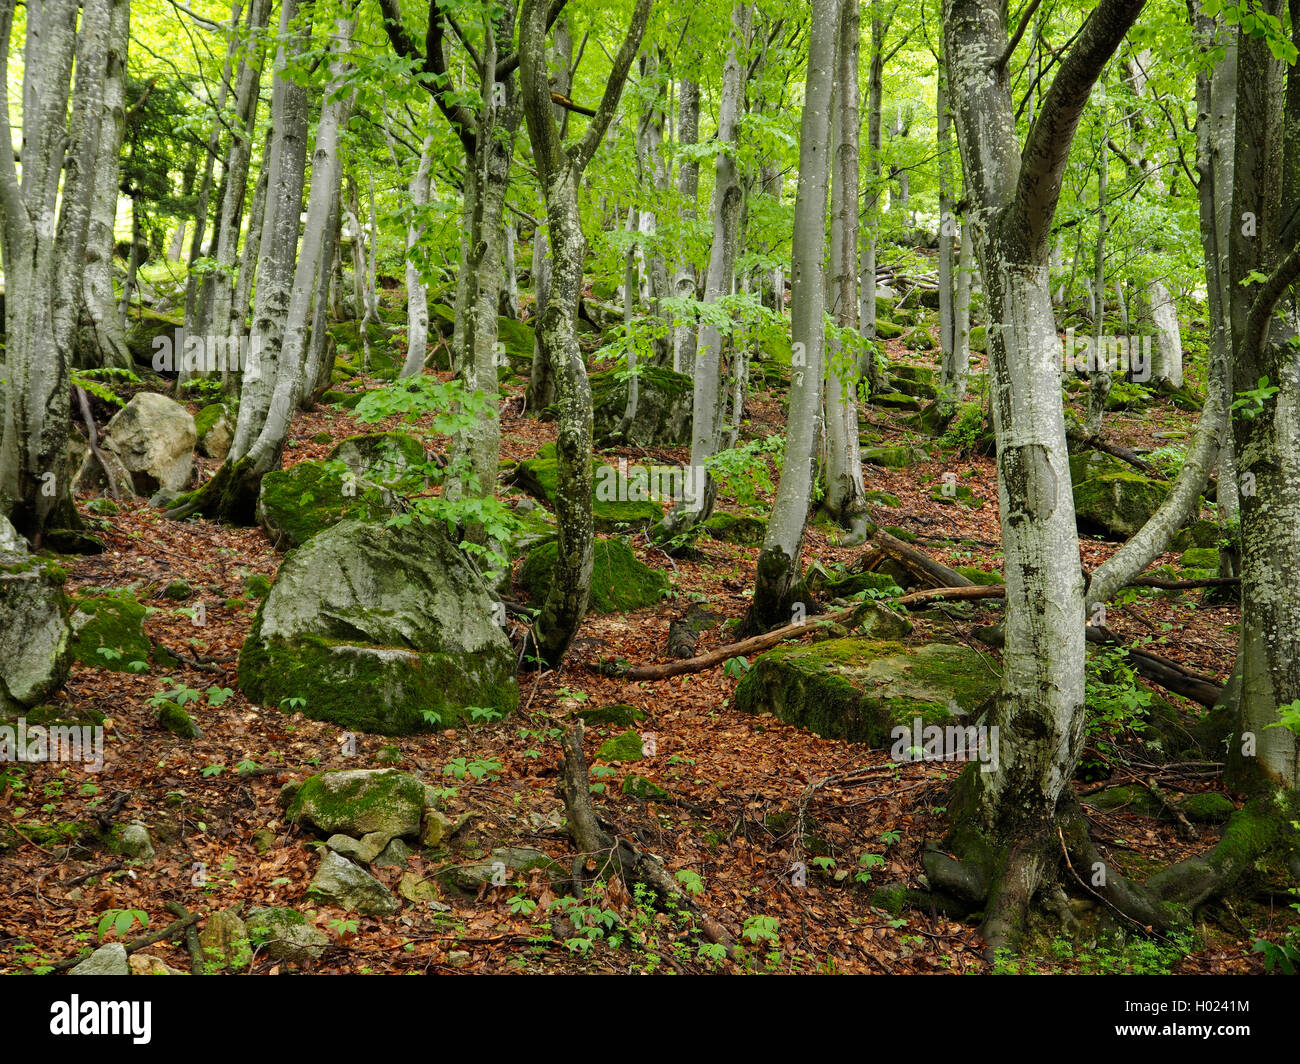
386, 630
308, 497
861, 689
664, 407
1110, 498
151, 440
285, 934
390, 459
620, 501
35, 638
619, 581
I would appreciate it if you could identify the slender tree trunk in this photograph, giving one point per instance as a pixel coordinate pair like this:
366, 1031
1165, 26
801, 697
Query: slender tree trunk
417, 294
845, 498
778, 562
688, 183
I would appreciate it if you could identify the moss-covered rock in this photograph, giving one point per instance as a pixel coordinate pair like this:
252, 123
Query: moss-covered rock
979, 339
916, 381
860, 689
902, 457
214, 426
296, 503
343, 400
887, 330
979, 576
388, 459
617, 503
517, 340
114, 622
640, 787
743, 529
619, 582
359, 802
285, 934
1208, 807
386, 630
1200, 558
956, 495
663, 407
32, 602
177, 721
882, 498
1200, 533
895, 401
1112, 499
627, 746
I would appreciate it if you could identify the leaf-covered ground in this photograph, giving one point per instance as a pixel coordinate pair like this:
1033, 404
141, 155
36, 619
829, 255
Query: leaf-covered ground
738, 785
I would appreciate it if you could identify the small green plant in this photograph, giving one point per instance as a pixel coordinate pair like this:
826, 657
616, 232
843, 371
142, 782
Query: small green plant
475, 769
736, 667
120, 921
1250, 402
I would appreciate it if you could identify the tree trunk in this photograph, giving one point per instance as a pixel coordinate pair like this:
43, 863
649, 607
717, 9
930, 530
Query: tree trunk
417, 294
688, 183
778, 562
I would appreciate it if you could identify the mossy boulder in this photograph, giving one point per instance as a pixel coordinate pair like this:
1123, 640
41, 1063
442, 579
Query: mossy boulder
113, 622
517, 341
214, 426
979, 339
640, 787
902, 457
32, 603
620, 715
1200, 558
743, 529
980, 576
627, 746
619, 502
296, 503
359, 802
916, 381
663, 407
619, 581
344, 400
861, 689
895, 401
174, 718
1111, 499
919, 339
388, 459
887, 330
1208, 807
1200, 533
386, 630
956, 495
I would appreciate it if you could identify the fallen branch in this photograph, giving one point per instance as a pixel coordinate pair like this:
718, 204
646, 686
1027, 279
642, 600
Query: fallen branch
191, 935
920, 563
732, 650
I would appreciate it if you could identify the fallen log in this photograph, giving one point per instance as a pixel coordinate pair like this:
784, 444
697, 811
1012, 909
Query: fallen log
172, 929
920, 563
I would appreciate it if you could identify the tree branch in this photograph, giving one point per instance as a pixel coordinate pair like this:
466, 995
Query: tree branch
581, 154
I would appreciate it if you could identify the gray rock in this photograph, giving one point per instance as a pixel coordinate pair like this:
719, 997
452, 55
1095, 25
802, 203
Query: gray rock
501, 867
286, 934
107, 960
386, 630
31, 602
339, 882
135, 843
363, 850
360, 802
394, 855
152, 438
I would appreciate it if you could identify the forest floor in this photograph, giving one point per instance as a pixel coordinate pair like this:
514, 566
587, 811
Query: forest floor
737, 782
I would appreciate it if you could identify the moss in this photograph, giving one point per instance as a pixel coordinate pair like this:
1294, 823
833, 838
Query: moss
957, 495
103, 507
257, 585
640, 787
382, 457
624, 747
619, 582
887, 330
901, 533
894, 457
1130, 798
206, 418
1208, 807
1116, 502
1200, 558
979, 576
895, 401
860, 689
362, 687
736, 528
177, 721
664, 406
518, 339
178, 590
345, 400
979, 339
295, 504
882, 498
366, 802
539, 476
115, 622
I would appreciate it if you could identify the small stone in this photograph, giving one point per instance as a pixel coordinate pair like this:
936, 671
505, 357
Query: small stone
437, 826
107, 960
143, 964
179, 590
135, 843
393, 855
224, 940
364, 849
286, 934
339, 882
458, 958
263, 839
420, 891
625, 747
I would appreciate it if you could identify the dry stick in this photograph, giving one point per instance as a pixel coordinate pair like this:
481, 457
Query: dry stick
732, 650
630, 863
92, 438
138, 943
